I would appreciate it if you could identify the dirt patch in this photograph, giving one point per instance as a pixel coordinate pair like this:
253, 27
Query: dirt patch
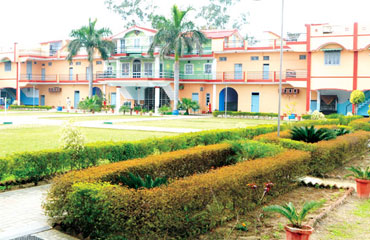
267, 226
359, 161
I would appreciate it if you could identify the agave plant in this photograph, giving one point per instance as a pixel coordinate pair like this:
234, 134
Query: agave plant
359, 173
312, 134
135, 181
289, 211
341, 131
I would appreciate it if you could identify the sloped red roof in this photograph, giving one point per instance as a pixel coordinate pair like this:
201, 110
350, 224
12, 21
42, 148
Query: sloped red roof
218, 33
142, 28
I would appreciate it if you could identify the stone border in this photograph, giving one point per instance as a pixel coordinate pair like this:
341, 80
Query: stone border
248, 117
314, 221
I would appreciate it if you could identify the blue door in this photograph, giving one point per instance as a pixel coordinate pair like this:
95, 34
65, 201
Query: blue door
238, 73
43, 74
113, 99
266, 71
313, 106
255, 102
42, 100
77, 99
29, 70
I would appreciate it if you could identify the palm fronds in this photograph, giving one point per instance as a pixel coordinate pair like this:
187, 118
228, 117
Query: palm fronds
358, 172
136, 182
311, 134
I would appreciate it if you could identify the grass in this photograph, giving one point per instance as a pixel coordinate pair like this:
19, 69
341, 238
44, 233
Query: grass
77, 118
202, 123
17, 139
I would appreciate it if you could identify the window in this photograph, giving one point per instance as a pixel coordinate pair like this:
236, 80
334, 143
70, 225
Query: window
195, 97
208, 98
302, 57
125, 69
137, 42
148, 69
188, 68
109, 70
332, 58
266, 58
208, 68
222, 59
254, 58
8, 66
34, 62
78, 63
98, 62
50, 63
123, 45
71, 63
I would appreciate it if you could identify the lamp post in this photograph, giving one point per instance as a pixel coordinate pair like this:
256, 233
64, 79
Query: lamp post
281, 65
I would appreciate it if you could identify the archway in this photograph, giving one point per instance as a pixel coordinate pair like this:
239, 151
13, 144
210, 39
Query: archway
9, 94
97, 91
231, 102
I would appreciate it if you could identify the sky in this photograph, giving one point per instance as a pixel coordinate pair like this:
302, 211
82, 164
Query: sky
32, 21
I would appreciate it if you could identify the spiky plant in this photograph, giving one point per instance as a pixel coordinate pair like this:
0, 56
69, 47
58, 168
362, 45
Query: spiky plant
135, 181
359, 173
289, 211
312, 134
341, 131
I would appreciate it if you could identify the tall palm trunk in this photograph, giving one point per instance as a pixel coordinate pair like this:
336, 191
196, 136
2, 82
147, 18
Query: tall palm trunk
176, 84
91, 79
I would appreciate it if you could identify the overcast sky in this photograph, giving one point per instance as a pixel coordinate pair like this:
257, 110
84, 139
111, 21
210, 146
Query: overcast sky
44, 20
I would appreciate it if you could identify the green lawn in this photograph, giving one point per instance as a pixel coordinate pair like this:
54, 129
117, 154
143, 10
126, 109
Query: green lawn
202, 123
16, 139
77, 118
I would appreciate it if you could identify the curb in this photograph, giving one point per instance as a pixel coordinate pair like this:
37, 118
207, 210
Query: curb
314, 221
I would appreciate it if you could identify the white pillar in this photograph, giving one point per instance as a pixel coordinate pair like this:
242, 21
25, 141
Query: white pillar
214, 95
214, 69
156, 100
118, 99
157, 63
18, 87
118, 69
318, 101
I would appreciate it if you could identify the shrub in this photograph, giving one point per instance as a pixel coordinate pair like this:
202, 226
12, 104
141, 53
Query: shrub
232, 113
124, 109
187, 103
93, 104
360, 124
250, 150
28, 107
312, 134
306, 116
135, 181
316, 115
357, 96
313, 122
334, 115
359, 173
183, 209
73, 141
164, 109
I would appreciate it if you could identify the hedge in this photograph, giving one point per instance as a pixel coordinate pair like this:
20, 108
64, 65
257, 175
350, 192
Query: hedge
325, 155
343, 120
36, 165
30, 107
361, 124
234, 113
184, 209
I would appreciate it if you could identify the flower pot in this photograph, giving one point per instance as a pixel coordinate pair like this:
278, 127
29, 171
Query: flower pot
282, 117
363, 188
293, 233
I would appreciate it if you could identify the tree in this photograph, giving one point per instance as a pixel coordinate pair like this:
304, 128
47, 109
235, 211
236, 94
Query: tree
174, 37
91, 39
357, 97
187, 104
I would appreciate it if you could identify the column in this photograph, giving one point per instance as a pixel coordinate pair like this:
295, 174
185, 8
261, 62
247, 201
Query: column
318, 101
118, 99
156, 99
118, 69
157, 62
214, 97
214, 69
18, 94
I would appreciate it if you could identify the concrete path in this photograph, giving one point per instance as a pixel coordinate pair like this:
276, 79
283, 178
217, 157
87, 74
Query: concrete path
21, 214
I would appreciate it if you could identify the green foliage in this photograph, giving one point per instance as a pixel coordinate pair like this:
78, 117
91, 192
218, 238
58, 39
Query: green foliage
312, 134
341, 131
124, 109
73, 141
164, 109
27, 107
316, 115
187, 104
313, 123
135, 181
289, 211
232, 113
357, 96
360, 124
358, 172
93, 104
334, 115
306, 116
250, 150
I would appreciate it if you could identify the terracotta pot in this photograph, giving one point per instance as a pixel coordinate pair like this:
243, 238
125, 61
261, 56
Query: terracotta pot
282, 117
293, 233
363, 188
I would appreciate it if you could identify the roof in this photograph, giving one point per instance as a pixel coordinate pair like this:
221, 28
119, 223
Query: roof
132, 28
219, 33
51, 41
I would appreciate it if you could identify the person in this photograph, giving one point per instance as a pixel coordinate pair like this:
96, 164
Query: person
68, 101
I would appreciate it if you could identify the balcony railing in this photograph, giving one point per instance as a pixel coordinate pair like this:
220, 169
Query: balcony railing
234, 44
38, 77
37, 52
131, 49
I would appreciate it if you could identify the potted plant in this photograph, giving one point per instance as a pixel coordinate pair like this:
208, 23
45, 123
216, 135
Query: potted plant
137, 109
362, 177
150, 113
124, 109
295, 230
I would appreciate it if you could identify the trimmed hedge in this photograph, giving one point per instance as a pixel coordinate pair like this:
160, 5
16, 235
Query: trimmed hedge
343, 120
27, 107
183, 209
361, 124
325, 155
36, 165
234, 113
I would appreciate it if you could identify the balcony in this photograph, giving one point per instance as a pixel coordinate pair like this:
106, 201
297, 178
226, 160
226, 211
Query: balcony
38, 77
38, 53
131, 49
234, 45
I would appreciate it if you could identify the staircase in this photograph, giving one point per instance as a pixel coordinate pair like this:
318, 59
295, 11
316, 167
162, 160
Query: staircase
363, 107
169, 91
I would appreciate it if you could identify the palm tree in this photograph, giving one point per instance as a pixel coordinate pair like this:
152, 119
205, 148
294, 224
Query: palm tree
91, 39
174, 36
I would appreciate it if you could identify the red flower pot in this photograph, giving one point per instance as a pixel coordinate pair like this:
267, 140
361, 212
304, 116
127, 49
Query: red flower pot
293, 233
282, 117
363, 188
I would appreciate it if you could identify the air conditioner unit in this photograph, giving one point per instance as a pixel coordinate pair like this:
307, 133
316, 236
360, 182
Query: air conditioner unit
327, 29
295, 91
201, 89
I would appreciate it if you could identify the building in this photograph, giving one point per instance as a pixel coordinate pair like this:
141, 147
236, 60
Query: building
320, 69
